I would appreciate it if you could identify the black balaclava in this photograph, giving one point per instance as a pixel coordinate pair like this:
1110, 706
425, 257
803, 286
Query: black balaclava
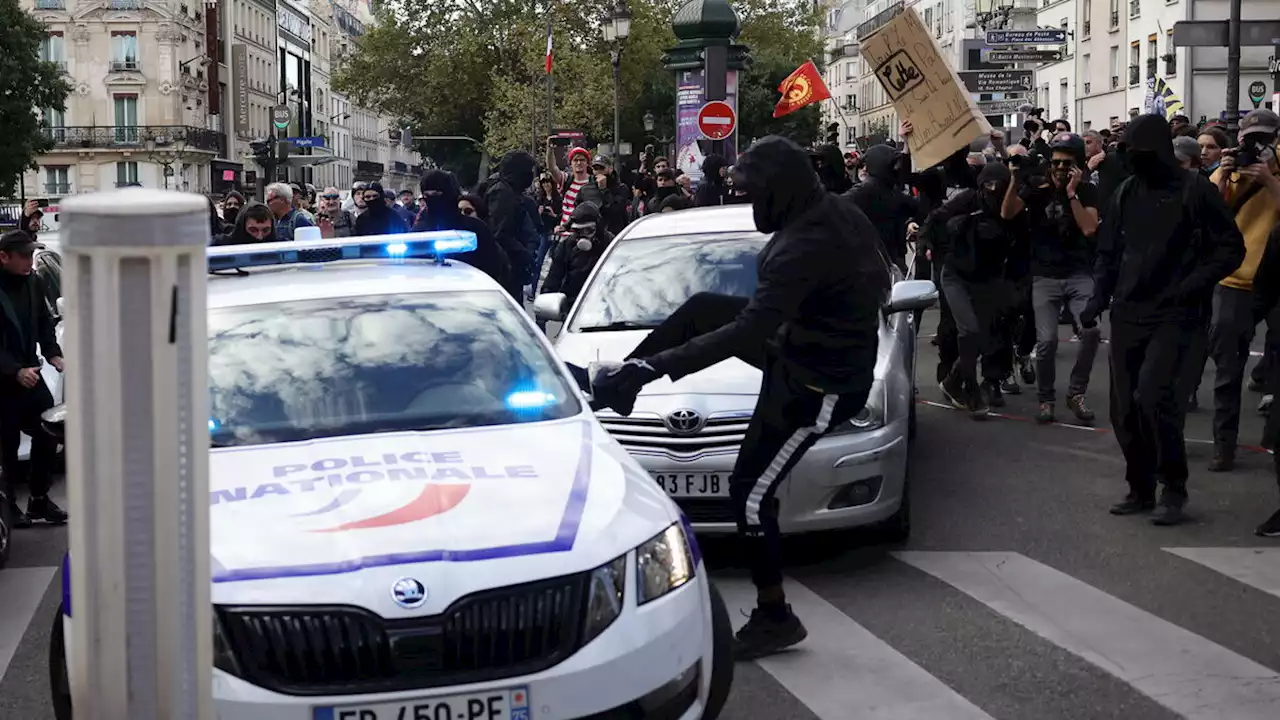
991, 199
1150, 149
880, 162
711, 167
518, 169
441, 210
780, 180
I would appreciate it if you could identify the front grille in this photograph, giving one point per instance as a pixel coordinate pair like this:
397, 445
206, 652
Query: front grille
339, 650
650, 433
707, 510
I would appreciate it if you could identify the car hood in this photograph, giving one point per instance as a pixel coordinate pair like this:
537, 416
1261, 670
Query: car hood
340, 520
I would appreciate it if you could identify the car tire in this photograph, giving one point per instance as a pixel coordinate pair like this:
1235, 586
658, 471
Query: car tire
897, 528
721, 656
59, 684
6, 528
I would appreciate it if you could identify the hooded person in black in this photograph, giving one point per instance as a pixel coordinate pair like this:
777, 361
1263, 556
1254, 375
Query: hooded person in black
513, 226
254, 224
713, 189
829, 163
1167, 240
811, 326
440, 193
577, 253
882, 199
378, 218
972, 247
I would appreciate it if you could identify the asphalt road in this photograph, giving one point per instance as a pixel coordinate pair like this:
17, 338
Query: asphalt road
1018, 597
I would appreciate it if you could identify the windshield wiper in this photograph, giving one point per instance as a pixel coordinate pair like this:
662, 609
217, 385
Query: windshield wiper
619, 325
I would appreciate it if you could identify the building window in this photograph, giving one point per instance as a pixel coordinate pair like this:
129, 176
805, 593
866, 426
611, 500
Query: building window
1153, 49
1062, 92
851, 136
1135, 57
53, 49
1135, 8
1088, 13
126, 173
126, 118
1170, 56
1115, 14
124, 51
57, 180
1115, 66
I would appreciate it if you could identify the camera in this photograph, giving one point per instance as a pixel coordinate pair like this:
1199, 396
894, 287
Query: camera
1248, 153
1032, 127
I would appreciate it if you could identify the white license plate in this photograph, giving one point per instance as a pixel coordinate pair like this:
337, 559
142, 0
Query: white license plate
508, 704
682, 484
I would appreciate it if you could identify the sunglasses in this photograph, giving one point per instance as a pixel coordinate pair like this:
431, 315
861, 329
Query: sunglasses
334, 196
1062, 163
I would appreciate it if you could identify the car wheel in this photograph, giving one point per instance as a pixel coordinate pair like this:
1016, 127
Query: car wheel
721, 657
897, 529
59, 685
6, 528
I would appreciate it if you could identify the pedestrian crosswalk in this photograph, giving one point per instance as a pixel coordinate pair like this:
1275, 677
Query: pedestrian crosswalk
956, 635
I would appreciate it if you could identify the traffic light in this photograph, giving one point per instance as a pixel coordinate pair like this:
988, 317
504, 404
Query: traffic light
261, 150
833, 133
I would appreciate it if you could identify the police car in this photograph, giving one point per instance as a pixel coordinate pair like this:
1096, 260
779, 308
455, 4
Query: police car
414, 513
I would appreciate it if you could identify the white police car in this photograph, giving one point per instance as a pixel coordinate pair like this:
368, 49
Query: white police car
414, 514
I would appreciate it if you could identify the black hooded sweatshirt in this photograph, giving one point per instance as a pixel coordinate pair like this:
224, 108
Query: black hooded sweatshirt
1158, 256
822, 279
237, 234
882, 199
440, 212
576, 255
507, 212
967, 233
833, 175
379, 219
712, 191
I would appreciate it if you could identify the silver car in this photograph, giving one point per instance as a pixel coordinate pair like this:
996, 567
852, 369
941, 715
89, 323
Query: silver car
687, 433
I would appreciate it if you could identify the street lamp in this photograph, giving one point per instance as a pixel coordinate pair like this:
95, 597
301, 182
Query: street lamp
649, 121
166, 154
616, 27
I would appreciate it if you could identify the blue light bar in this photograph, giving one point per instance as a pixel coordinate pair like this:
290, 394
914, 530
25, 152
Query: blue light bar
435, 244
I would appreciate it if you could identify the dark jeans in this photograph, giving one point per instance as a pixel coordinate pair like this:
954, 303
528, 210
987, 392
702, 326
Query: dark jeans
1147, 402
1049, 297
976, 308
946, 337
1016, 329
1230, 334
20, 410
788, 419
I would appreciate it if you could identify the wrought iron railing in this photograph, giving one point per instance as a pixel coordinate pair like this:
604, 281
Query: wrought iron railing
1135, 8
51, 4
1088, 26
122, 65
1115, 19
880, 20
134, 136
126, 4
1133, 74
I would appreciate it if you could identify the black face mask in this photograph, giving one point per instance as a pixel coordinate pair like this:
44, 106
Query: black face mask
1146, 163
230, 214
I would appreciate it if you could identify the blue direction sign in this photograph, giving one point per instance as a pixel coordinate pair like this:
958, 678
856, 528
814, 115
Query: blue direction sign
304, 142
1027, 37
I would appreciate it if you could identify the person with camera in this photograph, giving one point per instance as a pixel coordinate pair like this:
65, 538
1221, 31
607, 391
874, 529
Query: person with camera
1033, 129
1167, 240
1249, 183
333, 221
1062, 214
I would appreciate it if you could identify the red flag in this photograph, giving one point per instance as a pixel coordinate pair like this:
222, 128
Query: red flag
549, 47
802, 87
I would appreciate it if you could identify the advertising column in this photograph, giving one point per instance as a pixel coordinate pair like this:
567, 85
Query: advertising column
691, 146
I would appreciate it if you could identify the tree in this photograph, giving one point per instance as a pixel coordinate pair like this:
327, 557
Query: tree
476, 68
26, 83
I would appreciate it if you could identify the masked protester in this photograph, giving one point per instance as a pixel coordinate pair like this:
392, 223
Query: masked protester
514, 223
973, 250
577, 253
378, 218
254, 224
882, 199
26, 333
1168, 239
713, 190
812, 326
231, 205
439, 211
829, 164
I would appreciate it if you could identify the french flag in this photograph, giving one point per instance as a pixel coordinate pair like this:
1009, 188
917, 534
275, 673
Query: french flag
548, 47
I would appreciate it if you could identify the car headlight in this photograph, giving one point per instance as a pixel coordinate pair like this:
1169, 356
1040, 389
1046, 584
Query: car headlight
605, 587
663, 564
870, 417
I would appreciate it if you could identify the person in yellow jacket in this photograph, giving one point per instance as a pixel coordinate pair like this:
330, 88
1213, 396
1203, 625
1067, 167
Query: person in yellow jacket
1249, 180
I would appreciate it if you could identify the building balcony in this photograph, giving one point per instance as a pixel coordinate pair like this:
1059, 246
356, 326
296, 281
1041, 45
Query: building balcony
58, 189
126, 4
1133, 74
51, 4
134, 137
125, 65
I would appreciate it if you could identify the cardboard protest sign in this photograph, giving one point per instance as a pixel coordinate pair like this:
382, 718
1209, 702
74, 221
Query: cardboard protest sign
924, 89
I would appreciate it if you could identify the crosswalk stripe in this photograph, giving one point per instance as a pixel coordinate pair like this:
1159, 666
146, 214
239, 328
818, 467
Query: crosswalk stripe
843, 671
1180, 670
1257, 567
21, 590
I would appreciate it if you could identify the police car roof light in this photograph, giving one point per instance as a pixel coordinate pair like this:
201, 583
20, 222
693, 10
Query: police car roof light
435, 244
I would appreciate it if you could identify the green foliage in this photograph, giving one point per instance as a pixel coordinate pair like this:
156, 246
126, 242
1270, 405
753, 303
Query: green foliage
26, 83
475, 68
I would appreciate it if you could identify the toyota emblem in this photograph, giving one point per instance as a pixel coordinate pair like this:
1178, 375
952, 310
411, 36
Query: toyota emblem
408, 592
685, 421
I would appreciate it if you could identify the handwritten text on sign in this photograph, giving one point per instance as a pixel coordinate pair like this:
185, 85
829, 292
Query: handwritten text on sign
924, 90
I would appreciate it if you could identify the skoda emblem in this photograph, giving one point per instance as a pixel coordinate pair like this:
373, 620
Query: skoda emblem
685, 421
408, 592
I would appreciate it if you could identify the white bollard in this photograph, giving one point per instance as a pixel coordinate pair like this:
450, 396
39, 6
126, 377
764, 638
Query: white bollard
138, 455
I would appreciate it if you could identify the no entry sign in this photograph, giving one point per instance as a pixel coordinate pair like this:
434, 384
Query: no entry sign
717, 120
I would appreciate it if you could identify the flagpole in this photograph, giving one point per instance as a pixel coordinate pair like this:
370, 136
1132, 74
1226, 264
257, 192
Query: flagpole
550, 79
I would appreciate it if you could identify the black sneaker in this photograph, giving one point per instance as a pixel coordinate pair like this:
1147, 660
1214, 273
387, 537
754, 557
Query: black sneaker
1270, 528
1224, 459
991, 393
1027, 369
19, 518
953, 389
1168, 515
42, 508
617, 385
1133, 506
1010, 386
1075, 403
763, 636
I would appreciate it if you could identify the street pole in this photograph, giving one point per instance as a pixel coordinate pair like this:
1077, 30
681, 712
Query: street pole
1233, 70
717, 59
137, 451
617, 103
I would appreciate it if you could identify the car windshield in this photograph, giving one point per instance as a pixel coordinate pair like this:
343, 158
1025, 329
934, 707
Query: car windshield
643, 281
346, 366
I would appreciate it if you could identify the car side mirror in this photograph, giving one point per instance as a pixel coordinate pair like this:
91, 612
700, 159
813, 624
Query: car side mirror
550, 306
911, 295
61, 305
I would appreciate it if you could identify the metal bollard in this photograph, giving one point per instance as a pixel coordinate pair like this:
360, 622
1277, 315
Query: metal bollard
138, 455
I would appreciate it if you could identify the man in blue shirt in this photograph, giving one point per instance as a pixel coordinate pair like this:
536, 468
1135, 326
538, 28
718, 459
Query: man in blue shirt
288, 218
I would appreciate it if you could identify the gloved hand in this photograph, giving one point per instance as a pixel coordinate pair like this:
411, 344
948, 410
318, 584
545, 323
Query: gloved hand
1089, 317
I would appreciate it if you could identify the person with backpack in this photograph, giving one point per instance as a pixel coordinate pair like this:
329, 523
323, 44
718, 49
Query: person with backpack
1167, 241
288, 218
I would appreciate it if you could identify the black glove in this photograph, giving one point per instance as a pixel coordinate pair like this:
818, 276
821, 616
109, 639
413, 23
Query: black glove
1089, 318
